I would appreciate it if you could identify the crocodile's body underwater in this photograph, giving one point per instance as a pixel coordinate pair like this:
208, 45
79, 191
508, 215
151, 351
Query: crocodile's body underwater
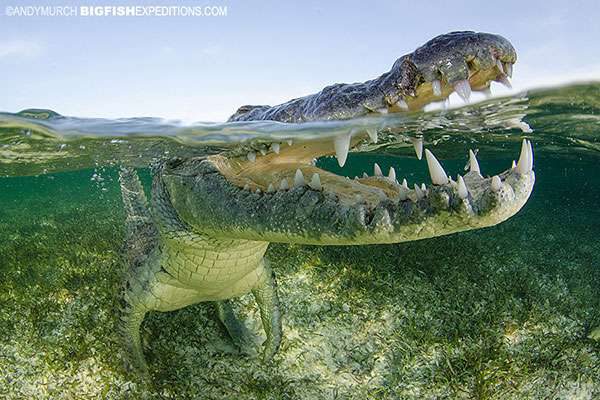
204, 235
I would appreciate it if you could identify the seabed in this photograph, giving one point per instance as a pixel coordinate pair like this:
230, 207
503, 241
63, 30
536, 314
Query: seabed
508, 312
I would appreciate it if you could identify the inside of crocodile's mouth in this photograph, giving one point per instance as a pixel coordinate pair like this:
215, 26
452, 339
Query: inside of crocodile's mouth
285, 164
288, 164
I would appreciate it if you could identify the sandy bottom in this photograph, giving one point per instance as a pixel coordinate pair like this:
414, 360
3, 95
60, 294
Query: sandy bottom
501, 313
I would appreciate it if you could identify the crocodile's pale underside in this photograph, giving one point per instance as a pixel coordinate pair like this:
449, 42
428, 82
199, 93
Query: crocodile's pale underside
205, 232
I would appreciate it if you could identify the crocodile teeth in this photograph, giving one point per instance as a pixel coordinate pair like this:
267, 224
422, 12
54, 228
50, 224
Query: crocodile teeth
473, 164
298, 178
382, 110
437, 173
423, 188
257, 191
509, 69
436, 85
315, 182
403, 194
342, 146
500, 66
284, 185
365, 175
290, 142
418, 145
463, 89
263, 152
446, 104
530, 155
275, 148
514, 164
271, 188
246, 187
525, 163
405, 183
462, 188
377, 170
496, 183
504, 81
419, 192
372, 134
402, 104
251, 156
392, 174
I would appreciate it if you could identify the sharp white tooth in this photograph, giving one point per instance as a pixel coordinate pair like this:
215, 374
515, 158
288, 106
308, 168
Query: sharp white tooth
473, 164
405, 183
284, 185
509, 69
257, 191
342, 146
436, 85
504, 81
290, 142
263, 152
463, 89
377, 170
271, 188
496, 183
365, 175
419, 192
275, 148
418, 145
246, 187
500, 66
251, 156
315, 182
402, 104
437, 173
298, 178
514, 164
392, 174
372, 134
530, 155
382, 110
446, 104
523, 163
462, 188
402, 194
423, 187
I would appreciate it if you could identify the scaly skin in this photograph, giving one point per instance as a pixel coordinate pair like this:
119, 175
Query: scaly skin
213, 217
448, 58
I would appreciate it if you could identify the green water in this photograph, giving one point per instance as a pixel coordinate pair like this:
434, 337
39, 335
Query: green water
506, 312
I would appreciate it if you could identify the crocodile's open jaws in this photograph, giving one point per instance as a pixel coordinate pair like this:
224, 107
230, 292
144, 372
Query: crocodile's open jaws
204, 235
281, 197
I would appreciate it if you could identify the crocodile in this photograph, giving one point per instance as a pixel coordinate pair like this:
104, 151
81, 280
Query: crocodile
203, 235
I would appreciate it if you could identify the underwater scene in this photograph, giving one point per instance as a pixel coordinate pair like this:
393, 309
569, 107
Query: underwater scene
507, 311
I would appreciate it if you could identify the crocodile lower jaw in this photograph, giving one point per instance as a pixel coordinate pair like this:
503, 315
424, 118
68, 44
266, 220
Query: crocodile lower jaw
275, 201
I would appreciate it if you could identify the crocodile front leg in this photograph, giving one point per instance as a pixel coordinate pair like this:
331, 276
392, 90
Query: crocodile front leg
265, 294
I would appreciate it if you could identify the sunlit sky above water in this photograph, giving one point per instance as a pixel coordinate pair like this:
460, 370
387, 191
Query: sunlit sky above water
203, 68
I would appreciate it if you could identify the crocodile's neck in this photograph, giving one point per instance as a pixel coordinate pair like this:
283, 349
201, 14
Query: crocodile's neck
214, 265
